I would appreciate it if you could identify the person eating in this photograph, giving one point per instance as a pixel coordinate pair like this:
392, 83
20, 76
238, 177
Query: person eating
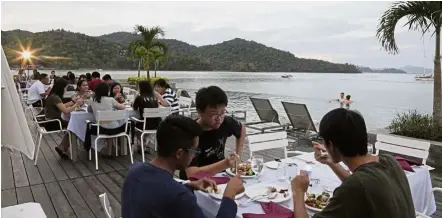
211, 103
117, 93
150, 190
377, 186
162, 87
37, 92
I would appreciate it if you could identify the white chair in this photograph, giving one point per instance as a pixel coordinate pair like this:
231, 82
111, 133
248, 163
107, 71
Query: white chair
161, 112
185, 105
106, 206
42, 130
404, 146
259, 142
108, 116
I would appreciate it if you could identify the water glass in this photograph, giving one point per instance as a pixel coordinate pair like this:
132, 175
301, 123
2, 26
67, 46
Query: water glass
257, 163
290, 170
370, 148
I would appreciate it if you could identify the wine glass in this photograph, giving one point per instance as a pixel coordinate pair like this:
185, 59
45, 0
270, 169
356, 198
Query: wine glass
290, 170
257, 165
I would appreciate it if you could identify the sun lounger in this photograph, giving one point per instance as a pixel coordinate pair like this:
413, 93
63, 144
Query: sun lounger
268, 116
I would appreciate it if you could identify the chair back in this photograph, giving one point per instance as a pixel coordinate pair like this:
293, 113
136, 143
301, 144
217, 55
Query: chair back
265, 110
106, 206
160, 112
259, 142
403, 146
299, 116
107, 116
185, 103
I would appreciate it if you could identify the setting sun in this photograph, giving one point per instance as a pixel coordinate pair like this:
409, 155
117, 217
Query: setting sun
26, 54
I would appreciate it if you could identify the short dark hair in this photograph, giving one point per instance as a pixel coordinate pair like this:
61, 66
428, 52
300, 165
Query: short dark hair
95, 74
342, 93
42, 76
58, 88
212, 96
107, 77
346, 130
161, 83
88, 77
102, 90
183, 129
348, 97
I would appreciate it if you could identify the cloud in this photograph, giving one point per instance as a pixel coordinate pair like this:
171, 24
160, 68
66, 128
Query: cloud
334, 31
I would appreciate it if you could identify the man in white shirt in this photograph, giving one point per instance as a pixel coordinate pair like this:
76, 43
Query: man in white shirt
37, 92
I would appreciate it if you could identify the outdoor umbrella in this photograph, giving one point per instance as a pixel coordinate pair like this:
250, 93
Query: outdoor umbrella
15, 130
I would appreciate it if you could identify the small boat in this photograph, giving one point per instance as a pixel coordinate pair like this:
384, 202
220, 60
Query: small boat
424, 77
286, 76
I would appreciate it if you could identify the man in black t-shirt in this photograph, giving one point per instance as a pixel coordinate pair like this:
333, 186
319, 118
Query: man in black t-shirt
211, 103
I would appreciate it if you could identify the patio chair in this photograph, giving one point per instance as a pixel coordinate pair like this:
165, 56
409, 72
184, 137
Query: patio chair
185, 106
107, 116
268, 116
259, 142
302, 125
106, 206
150, 113
41, 130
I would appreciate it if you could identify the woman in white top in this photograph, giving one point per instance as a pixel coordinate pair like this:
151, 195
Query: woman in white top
102, 102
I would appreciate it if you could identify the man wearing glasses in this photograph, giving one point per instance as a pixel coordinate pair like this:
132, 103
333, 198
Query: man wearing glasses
211, 103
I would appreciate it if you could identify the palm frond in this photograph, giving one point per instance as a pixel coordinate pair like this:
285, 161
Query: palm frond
419, 18
160, 45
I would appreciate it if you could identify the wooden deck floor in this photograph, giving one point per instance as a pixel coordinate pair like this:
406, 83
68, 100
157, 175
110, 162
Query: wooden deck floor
71, 189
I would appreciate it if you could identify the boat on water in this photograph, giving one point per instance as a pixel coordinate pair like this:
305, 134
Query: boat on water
424, 77
286, 76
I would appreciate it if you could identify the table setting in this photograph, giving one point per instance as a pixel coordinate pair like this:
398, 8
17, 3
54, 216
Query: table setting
268, 191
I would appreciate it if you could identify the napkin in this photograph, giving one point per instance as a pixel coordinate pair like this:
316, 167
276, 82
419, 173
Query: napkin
217, 179
271, 210
406, 164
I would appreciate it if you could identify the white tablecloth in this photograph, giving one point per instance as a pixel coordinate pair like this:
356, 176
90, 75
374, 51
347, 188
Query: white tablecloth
77, 121
420, 185
25, 210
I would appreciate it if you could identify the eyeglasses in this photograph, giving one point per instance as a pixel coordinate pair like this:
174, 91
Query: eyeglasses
219, 116
194, 150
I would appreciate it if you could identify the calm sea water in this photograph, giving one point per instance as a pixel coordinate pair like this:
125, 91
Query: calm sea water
379, 97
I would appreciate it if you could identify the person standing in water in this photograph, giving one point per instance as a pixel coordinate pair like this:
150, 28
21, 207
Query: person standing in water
347, 101
340, 99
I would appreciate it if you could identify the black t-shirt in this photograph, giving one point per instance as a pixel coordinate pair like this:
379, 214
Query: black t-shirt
213, 142
374, 190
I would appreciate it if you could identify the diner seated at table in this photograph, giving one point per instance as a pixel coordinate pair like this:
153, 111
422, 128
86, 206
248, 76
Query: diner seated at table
95, 80
82, 90
147, 98
54, 107
150, 190
377, 186
162, 87
116, 91
37, 92
211, 103
102, 102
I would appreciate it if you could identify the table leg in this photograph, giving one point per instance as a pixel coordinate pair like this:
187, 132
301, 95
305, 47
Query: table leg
73, 139
123, 145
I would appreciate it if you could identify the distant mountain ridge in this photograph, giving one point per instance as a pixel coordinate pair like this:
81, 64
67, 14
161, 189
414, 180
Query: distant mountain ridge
416, 70
82, 51
383, 70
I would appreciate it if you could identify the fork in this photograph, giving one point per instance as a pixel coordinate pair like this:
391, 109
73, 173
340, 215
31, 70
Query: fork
255, 198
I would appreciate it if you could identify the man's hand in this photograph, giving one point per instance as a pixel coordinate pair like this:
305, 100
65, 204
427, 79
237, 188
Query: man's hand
203, 185
321, 154
300, 183
234, 186
230, 161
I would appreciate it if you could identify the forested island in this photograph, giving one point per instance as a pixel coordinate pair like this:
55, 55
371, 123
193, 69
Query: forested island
61, 49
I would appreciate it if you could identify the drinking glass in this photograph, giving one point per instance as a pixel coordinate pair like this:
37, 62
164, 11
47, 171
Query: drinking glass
290, 170
257, 165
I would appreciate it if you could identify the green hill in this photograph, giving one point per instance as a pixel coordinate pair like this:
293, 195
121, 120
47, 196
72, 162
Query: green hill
107, 52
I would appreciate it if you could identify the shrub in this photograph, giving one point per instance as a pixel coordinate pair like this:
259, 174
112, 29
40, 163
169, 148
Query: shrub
415, 125
133, 80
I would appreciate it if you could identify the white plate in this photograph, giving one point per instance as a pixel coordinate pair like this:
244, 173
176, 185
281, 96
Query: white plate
220, 193
229, 171
261, 188
272, 165
313, 208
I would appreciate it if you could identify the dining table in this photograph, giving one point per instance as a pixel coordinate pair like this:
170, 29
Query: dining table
324, 180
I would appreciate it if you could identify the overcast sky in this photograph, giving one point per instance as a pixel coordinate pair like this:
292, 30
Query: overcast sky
334, 31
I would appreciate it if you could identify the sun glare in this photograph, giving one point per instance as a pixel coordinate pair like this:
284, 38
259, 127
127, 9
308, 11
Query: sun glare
26, 54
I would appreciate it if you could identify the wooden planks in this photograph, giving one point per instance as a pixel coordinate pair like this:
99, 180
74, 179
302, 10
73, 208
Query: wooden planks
7, 176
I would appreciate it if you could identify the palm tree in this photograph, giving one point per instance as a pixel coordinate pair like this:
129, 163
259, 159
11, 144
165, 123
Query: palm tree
149, 40
159, 57
423, 16
138, 53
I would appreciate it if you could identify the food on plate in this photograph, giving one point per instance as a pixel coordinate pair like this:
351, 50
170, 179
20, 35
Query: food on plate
212, 190
274, 192
244, 169
318, 201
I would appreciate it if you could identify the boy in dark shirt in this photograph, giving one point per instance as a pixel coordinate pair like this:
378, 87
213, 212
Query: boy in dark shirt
378, 187
149, 189
211, 103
